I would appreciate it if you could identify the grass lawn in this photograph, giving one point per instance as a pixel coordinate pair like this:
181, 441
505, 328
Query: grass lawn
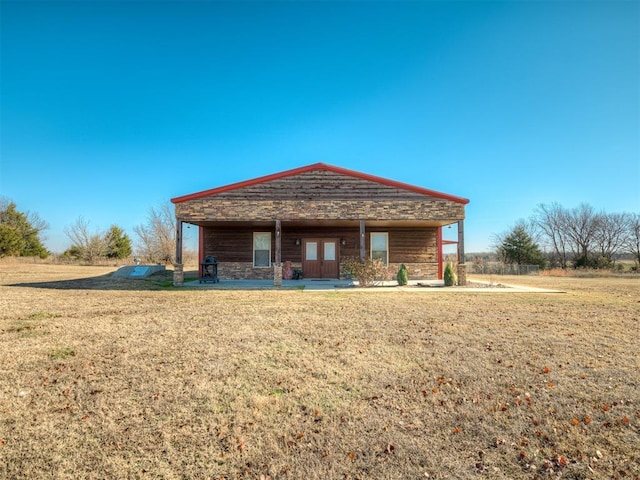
105, 378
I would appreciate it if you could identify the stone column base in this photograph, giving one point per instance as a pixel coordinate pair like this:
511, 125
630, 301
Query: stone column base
462, 274
178, 274
277, 274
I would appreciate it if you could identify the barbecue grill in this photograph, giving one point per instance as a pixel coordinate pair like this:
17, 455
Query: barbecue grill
209, 270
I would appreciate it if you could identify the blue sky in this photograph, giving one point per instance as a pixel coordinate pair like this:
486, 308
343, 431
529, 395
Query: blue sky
110, 108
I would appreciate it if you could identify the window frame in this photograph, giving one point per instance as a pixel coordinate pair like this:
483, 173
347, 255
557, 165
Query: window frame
255, 235
386, 236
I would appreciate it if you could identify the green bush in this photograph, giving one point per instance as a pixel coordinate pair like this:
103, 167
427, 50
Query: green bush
449, 275
403, 275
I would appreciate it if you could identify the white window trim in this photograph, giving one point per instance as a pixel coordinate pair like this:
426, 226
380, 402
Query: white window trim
253, 250
371, 234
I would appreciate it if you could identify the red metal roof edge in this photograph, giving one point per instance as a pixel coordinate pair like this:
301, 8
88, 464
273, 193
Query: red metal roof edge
319, 166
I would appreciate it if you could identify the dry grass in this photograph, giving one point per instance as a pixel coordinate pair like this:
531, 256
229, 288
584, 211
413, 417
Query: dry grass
127, 379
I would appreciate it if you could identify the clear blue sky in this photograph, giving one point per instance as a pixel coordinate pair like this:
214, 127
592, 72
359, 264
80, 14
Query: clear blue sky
110, 108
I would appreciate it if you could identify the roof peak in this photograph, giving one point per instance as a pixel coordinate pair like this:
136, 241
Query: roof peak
324, 167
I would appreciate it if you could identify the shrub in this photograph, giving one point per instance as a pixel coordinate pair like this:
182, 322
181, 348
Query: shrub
449, 275
369, 273
403, 275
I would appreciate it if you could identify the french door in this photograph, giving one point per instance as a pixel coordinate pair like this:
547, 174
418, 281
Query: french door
320, 258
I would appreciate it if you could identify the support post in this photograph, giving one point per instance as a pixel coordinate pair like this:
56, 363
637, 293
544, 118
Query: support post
277, 265
462, 267
178, 267
200, 249
439, 253
363, 242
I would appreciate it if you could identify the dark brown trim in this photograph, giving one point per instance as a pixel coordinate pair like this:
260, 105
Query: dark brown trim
460, 242
363, 242
178, 241
278, 254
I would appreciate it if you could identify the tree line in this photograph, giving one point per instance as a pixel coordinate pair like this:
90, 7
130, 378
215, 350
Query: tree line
559, 237
21, 234
554, 237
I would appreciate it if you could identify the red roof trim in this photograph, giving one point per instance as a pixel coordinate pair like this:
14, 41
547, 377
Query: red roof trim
319, 166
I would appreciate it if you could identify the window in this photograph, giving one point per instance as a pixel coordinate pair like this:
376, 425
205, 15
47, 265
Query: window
312, 251
261, 249
329, 251
380, 247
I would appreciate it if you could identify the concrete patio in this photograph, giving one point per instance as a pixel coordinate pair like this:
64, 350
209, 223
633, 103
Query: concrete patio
324, 285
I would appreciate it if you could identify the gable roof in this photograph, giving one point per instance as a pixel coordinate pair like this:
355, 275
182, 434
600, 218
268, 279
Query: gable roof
319, 167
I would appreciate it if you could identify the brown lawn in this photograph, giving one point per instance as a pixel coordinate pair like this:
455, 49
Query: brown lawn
132, 379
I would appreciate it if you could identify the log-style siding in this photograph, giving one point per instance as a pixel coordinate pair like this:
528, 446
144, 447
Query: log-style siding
319, 195
321, 184
235, 244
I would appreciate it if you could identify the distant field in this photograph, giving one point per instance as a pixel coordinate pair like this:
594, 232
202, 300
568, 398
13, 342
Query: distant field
133, 379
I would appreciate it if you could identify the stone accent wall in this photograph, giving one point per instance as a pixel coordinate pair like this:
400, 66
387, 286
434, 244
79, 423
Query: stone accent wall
417, 271
178, 274
462, 274
243, 271
277, 274
232, 209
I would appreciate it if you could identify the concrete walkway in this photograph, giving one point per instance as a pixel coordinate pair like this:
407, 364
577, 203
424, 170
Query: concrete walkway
310, 285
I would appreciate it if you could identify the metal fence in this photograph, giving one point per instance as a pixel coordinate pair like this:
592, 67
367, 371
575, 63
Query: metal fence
497, 268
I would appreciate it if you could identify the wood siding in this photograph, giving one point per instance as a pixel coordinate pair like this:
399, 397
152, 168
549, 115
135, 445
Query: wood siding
319, 195
321, 185
235, 244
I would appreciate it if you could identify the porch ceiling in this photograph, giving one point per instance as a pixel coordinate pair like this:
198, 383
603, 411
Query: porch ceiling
328, 223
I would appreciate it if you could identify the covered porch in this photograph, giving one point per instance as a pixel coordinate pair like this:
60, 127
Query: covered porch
272, 250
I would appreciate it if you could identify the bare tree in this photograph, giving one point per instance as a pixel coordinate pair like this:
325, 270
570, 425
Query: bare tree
611, 233
158, 235
90, 246
551, 220
581, 226
632, 241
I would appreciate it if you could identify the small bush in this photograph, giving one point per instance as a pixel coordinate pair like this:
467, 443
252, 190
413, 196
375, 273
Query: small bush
369, 273
403, 275
449, 276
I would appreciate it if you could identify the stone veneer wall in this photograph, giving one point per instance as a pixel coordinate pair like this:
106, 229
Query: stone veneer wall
178, 274
216, 209
243, 271
462, 274
246, 271
417, 271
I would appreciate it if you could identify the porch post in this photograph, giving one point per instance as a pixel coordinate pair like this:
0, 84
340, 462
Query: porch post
178, 267
439, 252
200, 249
277, 265
363, 242
462, 267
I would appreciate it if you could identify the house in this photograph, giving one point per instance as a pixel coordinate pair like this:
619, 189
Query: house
316, 217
